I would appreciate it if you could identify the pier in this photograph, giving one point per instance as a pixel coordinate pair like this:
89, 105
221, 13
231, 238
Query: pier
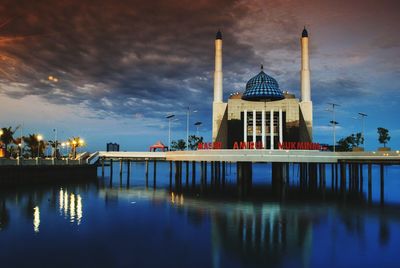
316, 170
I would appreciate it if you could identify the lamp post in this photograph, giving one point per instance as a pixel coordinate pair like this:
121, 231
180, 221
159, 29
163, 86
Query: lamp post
74, 143
197, 124
67, 144
334, 123
187, 127
363, 126
62, 149
55, 143
169, 117
39, 139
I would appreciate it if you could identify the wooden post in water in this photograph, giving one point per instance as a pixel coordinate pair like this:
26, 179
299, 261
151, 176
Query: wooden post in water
154, 173
180, 174
111, 172
336, 177
361, 179
170, 174
342, 177
102, 167
223, 172
205, 173
187, 173
212, 173
350, 175
176, 175
193, 173
129, 174
147, 173
120, 168
369, 183
332, 177
382, 184
111, 168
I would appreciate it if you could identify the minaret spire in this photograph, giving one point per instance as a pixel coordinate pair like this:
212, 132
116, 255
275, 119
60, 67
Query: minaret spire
218, 75
219, 118
306, 105
305, 68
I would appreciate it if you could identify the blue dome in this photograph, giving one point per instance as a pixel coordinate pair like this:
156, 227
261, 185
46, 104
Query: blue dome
262, 87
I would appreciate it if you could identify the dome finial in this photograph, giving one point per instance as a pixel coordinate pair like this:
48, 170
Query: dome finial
219, 34
262, 67
304, 33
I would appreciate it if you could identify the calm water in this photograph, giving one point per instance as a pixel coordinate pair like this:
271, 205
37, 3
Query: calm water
110, 223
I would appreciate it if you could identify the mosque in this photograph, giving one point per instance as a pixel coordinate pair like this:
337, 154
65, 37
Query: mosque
262, 117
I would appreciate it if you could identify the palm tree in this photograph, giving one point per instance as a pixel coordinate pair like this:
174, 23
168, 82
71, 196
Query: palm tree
54, 145
32, 142
7, 137
75, 142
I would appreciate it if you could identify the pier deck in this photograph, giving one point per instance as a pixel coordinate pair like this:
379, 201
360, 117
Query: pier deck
270, 156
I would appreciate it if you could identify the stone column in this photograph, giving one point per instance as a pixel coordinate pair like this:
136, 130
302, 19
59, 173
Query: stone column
263, 129
245, 125
280, 126
254, 128
271, 125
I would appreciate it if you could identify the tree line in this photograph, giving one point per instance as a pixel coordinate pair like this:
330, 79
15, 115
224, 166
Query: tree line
180, 145
33, 145
355, 140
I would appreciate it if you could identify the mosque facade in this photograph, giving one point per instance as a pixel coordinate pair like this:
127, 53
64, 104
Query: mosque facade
263, 116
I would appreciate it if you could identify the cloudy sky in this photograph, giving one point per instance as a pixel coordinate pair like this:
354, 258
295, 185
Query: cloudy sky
121, 66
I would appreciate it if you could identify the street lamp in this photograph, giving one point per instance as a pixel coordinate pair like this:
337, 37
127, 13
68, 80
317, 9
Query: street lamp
62, 150
334, 123
197, 124
55, 143
169, 117
363, 126
187, 126
74, 143
39, 139
67, 144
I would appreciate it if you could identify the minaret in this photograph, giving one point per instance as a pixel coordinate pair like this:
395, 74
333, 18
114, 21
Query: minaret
218, 76
306, 106
219, 124
305, 68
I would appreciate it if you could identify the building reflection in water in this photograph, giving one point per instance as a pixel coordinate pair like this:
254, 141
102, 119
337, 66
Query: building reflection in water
71, 206
258, 233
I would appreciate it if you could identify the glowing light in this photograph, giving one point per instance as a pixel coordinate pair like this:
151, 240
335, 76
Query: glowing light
61, 200
36, 219
72, 207
172, 197
39, 137
65, 203
79, 212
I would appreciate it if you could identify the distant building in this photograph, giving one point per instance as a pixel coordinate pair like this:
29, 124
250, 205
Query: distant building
112, 147
262, 114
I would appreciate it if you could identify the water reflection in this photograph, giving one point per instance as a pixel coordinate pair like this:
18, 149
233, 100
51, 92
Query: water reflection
70, 206
271, 233
4, 215
36, 219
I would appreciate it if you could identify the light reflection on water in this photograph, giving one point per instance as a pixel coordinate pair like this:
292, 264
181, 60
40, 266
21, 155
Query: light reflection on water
36, 219
73, 210
122, 226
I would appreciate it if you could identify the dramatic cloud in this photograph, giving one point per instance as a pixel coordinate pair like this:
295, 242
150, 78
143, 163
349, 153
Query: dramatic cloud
136, 61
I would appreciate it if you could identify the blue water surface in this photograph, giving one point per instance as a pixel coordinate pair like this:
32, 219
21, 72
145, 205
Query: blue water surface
109, 222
